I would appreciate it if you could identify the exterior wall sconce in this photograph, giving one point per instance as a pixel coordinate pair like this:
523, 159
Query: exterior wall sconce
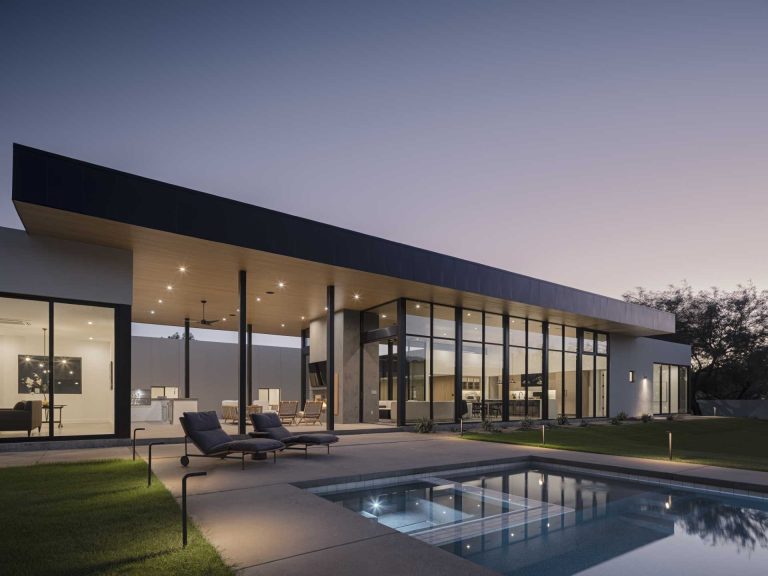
631, 375
645, 380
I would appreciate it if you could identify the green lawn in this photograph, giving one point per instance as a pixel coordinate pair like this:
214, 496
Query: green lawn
732, 442
95, 518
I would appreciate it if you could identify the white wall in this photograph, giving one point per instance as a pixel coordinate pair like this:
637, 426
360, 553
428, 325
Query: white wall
43, 266
639, 354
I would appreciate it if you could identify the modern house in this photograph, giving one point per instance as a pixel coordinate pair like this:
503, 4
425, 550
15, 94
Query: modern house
390, 333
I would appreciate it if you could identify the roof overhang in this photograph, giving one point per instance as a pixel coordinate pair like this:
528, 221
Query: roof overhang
166, 227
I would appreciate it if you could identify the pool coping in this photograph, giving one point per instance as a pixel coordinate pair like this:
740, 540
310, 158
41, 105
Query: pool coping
662, 478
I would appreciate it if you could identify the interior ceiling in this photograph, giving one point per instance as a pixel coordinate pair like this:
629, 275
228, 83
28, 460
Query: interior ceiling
211, 273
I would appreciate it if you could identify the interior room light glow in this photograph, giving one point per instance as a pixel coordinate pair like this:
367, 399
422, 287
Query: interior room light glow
418, 306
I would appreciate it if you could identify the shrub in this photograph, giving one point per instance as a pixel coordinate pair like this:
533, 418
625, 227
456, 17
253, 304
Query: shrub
615, 421
621, 416
489, 426
526, 424
424, 426
646, 418
562, 420
583, 423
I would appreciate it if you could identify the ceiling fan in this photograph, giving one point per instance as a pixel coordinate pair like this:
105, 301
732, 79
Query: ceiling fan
203, 321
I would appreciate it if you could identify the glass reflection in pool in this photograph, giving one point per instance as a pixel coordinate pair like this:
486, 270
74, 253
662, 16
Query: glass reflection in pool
547, 523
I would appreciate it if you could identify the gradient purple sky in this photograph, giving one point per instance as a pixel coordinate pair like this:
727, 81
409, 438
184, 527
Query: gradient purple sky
602, 145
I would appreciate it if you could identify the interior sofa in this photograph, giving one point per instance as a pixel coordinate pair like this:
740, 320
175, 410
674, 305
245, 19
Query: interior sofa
26, 416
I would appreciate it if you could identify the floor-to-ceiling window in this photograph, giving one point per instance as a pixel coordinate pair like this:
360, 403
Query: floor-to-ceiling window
570, 374
670, 389
57, 369
517, 397
472, 363
594, 375
494, 363
535, 378
555, 370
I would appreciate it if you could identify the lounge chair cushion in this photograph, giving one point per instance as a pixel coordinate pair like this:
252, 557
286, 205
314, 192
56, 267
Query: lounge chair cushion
311, 439
204, 430
252, 445
270, 423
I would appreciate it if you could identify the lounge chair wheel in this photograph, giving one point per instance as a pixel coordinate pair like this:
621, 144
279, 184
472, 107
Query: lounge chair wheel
184, 461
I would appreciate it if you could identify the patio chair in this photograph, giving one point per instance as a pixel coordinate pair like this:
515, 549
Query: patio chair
312, 411
204, 430
229, 411
270, 425
287, 411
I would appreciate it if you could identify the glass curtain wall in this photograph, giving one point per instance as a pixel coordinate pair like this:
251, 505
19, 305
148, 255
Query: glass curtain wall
555, 370
493, 367
443, 363
570, 376
535, 376
56, 372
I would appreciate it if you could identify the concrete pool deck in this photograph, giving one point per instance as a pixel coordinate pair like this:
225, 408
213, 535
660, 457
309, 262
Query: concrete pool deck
264, 524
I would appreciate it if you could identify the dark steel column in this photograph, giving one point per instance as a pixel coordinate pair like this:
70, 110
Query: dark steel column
458, 361
242, 353
304, 354
330, 340
250, 364
505, 368
401, 363
545, 373
122, 370
51, 391
579, 350
186, 357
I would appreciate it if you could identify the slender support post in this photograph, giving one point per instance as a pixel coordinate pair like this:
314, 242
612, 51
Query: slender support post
242, 348
186, 357
250, 364
543, 441
330, 340
458, 362
505, 368
402, 364
184, 504
134, 441
149, 463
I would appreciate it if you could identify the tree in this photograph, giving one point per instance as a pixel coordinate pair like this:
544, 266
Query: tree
728, 334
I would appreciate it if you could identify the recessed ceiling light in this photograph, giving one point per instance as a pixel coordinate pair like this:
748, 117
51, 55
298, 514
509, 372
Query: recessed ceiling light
282, 325
418, 305
90, 323
356, 296
151, 311
383, 315
326, 308
27, 359
281, 284
169, 287
258, 299
302, 317
238, 310
182, 269
224, 319
159, 300
469, 313
90, 338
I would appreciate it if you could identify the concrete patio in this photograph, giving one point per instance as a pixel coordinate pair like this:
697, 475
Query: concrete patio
263, 524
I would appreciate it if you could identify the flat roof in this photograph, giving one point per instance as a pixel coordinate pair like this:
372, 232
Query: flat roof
168, 226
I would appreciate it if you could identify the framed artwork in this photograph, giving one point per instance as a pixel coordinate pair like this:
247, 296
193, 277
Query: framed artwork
33, 375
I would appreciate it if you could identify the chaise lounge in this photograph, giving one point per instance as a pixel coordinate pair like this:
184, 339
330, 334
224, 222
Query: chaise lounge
269, 425
204, 430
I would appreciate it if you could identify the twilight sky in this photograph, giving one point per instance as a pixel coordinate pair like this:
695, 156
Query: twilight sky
602, 145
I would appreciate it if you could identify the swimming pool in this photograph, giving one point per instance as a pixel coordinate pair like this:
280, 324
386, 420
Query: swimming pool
549, 522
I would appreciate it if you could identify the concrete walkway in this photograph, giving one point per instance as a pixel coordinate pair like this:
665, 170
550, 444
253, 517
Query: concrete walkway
263, 524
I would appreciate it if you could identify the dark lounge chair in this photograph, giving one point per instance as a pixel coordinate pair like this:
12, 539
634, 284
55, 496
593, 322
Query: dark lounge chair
270, 425
205, 432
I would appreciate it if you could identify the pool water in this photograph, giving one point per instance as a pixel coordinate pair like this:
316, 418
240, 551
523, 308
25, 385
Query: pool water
551, 523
